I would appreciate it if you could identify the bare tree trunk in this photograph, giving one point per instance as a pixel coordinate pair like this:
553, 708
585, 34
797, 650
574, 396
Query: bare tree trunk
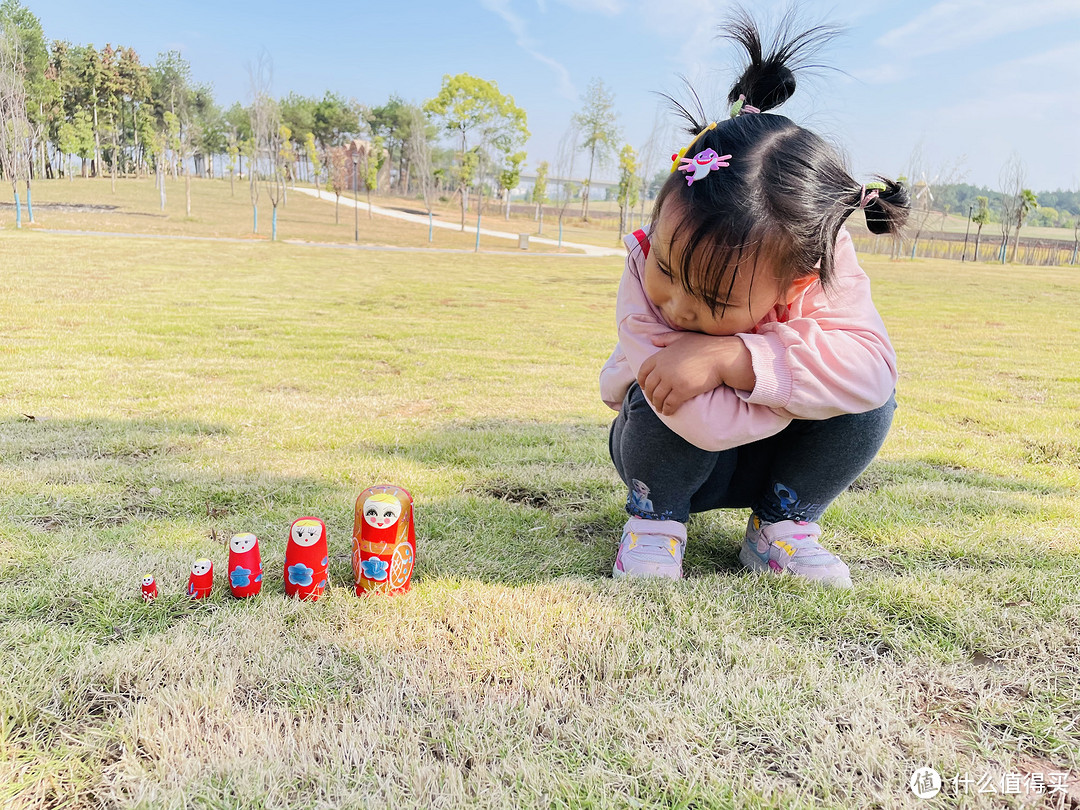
588, 188
97, 142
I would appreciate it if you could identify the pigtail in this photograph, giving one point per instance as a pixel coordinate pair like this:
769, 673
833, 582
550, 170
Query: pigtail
769, 78
887, 210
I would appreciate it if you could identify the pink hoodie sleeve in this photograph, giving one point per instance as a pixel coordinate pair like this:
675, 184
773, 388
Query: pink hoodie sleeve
830, 355
717, 420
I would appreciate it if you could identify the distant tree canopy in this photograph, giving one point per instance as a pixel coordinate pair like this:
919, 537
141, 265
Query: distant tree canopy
957, 197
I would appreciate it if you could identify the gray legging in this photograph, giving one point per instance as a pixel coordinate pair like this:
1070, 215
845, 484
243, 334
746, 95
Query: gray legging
793, 475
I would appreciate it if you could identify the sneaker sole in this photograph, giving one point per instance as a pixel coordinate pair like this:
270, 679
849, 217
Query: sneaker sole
754, 563
617, 574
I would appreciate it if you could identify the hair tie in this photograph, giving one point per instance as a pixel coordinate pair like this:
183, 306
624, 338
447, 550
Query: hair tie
866, 198
740, 107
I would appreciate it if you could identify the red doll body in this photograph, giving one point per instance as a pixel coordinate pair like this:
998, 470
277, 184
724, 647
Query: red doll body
306, 559
201, 580
149, 588
384, 540
245, 565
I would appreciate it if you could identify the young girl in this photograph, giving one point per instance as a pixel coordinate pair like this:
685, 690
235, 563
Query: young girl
752, 369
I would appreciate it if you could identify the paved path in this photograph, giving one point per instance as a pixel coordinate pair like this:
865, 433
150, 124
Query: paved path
589, 250
305, 243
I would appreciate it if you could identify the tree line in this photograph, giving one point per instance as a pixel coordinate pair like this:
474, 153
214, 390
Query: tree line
71, 109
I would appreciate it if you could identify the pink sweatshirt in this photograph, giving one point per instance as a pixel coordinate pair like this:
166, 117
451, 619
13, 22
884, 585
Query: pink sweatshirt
820, 356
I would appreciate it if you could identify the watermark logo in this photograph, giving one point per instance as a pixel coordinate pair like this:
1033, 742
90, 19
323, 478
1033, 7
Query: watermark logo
925, 782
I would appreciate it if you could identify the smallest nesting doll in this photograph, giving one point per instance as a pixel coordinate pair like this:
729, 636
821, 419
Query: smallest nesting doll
306, 559
201, 580
245, 565
149, 588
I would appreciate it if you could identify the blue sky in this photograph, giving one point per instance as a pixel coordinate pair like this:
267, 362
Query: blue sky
960, 84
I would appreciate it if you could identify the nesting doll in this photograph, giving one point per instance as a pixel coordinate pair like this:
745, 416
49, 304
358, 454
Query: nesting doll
384, 540
201, 579
306, 559
149, 588
245, 565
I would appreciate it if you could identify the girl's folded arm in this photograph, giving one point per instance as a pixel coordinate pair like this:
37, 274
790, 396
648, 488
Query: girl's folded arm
716, 420
834, 358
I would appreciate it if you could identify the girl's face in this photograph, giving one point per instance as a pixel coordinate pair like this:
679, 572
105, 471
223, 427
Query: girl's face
746, 305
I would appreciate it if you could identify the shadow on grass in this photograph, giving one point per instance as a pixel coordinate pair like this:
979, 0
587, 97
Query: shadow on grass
542, 502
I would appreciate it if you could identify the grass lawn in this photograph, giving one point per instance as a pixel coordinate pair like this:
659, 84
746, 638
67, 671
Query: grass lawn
157, 397
222, 210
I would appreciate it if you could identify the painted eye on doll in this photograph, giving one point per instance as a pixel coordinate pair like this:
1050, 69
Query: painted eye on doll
242, 542
306, 535
382, 510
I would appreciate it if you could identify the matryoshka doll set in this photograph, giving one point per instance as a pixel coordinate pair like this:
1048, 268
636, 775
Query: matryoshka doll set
384, 540
383, 553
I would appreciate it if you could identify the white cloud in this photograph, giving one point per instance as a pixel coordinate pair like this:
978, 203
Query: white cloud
953, 24
518, 28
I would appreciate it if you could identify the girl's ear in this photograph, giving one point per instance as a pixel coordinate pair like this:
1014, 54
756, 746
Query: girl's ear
797, 288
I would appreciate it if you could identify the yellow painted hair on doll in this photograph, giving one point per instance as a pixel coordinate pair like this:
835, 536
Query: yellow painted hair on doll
384, 497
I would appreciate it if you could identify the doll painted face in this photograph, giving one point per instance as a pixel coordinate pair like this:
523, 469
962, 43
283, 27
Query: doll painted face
200, 567
242, 542
148, 580
382, 510
306, 532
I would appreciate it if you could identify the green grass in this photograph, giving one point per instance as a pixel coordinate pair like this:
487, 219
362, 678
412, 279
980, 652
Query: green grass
184, 391
219, 209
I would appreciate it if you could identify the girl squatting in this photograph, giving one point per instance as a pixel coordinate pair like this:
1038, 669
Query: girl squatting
752, 369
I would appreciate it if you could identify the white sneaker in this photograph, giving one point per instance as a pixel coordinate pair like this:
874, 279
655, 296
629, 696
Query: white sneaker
792, 546
650, 548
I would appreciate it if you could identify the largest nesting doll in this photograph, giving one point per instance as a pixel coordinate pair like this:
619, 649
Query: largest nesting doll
384, 540
306, 559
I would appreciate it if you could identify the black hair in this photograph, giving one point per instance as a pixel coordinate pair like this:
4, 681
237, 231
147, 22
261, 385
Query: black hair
786, 193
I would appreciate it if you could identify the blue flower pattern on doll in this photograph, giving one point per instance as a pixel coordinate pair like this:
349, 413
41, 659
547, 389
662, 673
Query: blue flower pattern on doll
300, 574
240, 577
375, 568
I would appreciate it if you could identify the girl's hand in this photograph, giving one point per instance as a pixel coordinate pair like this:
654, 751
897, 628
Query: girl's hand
691, 363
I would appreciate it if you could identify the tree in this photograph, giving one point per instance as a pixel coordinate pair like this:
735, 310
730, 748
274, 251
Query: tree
277, 150
1011, 180
24, 30
628, 184
472, 108
237, 123
371, 155
925, 186
298, 114
264, 128
599, 132
14, 126
421, 158
980, 218
76, 138
539, 193
338, 175
312, 153
565, 154
390, 122
1025, 204
510, 176
335, 120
